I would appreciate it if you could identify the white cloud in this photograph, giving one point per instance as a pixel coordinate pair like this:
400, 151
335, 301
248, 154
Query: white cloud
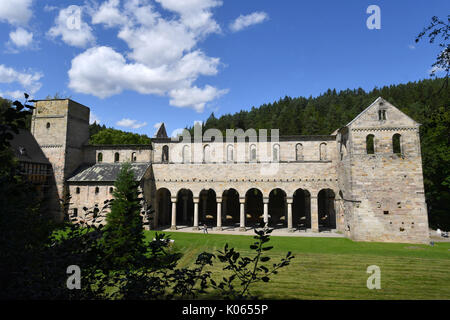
411, 46
72, 29
21, 37
15, 12
245, 21
194, 96
93, 118
163, 52
128, 123
29, 82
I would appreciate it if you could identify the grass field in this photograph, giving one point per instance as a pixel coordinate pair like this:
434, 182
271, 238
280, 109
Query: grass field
335, 268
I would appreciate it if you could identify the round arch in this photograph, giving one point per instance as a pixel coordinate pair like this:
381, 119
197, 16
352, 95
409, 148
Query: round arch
163, 207
301, 209
230, 207
254, 207
207, 207
185, 208
326, 210
277, 208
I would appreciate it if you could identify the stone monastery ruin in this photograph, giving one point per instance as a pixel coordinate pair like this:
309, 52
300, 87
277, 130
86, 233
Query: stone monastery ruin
364, 180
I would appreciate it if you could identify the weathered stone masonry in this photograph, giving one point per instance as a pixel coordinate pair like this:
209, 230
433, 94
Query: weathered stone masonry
311, 183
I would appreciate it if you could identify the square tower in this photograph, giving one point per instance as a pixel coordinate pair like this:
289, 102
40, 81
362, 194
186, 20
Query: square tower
61, 128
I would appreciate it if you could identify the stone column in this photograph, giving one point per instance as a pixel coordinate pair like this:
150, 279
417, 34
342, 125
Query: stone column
195, 214
242, 217
219, 214
314, 215
289, 214
266, 211
174, 214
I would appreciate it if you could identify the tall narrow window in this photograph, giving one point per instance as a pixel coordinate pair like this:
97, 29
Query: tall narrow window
100, 157
116, 157
133, 157
230, 153
77, 190
97, 190
186, 154
75, 212
165, 154
323, 151
206, 153
396, 144
276, 153
252, 152
370, 146
299, 152
382, 114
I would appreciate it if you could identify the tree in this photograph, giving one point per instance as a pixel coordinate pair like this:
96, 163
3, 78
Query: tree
124, 233
439, 28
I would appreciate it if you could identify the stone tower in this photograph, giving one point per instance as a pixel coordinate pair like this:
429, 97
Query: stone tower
380, 176
61, 128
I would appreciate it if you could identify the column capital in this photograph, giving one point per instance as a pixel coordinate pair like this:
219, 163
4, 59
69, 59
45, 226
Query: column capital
173, 199
196, 200
218, 199
265, 200
242, 200
289, 200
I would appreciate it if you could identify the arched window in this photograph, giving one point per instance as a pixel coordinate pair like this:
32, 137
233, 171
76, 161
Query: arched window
111, 189
48, 125
165, 154
133, 157
97, 190
276, 153
186, 154
370, 144
206, 153
230, 156
323, 151
100, 157
116, 157
299, 152
252, 152
77, 190
396, 143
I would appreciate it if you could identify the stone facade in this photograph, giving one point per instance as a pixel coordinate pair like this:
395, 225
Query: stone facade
305, 183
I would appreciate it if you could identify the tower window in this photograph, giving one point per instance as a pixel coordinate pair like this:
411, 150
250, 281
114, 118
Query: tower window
48, 125
165, 154
396, 144
370, 146
116, 157
382, 114
133, 157
100, 157
78, 190
97, 190
111, 189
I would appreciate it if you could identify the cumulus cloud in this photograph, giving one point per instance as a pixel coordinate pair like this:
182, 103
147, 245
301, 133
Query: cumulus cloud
70, 26
245, 21
129, 123
15, 12
21, 37
163, 57
195, 97
29, 82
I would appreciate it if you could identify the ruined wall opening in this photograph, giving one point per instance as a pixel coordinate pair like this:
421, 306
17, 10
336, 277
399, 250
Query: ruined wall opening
185, 208
301, 210
326, 210
254, 207
165, 154
277, 209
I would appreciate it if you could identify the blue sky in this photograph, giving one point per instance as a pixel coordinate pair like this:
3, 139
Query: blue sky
138, 63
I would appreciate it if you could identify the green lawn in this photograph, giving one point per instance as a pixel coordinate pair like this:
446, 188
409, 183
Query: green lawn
335, 268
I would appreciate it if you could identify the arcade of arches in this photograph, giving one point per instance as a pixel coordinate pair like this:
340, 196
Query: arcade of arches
229, 210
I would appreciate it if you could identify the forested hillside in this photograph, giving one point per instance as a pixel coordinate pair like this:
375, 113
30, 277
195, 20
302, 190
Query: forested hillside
426, 101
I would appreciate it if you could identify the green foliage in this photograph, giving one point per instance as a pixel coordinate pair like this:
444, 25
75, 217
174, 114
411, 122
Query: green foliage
124, 233
114, 136
248, 270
